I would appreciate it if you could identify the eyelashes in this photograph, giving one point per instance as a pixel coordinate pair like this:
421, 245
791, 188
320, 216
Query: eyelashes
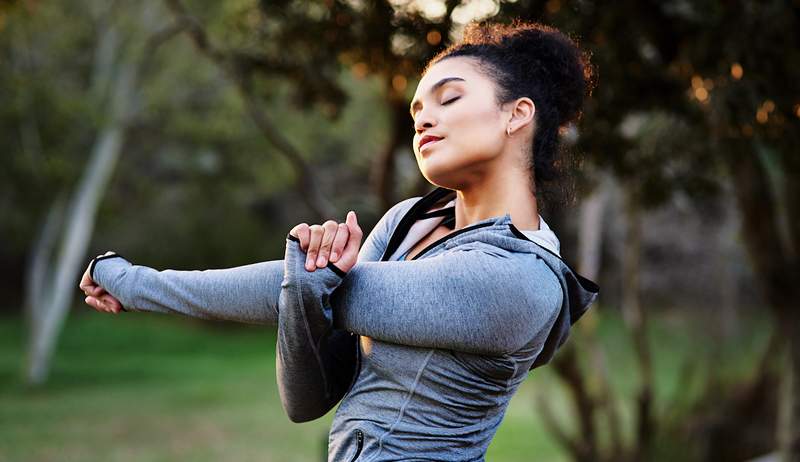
444, 103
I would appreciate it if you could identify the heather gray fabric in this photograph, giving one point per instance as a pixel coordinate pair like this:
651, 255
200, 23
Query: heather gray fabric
247, 294
445, 339
448, 338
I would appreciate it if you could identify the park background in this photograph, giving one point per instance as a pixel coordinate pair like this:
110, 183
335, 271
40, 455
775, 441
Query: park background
193, 134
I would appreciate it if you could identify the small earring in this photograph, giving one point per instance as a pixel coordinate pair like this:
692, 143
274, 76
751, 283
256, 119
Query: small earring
508, 131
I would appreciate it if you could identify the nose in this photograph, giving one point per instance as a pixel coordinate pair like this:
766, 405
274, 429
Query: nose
423, 121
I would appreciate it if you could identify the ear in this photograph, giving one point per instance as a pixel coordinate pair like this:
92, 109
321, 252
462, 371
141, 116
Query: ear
522, 112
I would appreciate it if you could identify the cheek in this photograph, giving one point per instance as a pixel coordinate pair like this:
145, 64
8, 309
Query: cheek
478, 132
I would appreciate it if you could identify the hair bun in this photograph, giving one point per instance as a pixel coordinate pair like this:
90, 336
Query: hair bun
547, 55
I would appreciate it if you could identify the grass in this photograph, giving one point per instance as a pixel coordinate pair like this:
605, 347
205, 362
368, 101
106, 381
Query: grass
139, 387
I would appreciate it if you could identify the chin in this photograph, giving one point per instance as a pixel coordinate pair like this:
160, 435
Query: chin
453, 172
445, 179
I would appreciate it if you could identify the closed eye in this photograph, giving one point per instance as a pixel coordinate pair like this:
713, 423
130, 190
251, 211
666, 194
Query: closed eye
444, 103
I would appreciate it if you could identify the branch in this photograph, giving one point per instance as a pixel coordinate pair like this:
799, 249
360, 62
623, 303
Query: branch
229, 63
566, 366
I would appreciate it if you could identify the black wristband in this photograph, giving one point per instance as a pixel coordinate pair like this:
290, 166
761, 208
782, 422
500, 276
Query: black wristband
103, 257
336, 269
97, 259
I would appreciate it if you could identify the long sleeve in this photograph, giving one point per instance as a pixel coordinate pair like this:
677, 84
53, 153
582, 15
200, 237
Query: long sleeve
472, 298
316, 363
247, 294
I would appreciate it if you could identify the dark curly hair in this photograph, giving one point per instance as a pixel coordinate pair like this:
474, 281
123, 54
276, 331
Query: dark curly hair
540, 62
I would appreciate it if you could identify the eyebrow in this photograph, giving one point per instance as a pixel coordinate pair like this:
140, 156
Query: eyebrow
415, 104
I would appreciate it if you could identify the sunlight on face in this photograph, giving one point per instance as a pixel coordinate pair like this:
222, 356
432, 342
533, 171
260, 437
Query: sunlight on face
455, 102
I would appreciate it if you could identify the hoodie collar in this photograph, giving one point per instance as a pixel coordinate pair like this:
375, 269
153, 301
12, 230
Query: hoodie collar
438, 208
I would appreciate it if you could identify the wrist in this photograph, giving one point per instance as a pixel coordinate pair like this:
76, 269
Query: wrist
98, 258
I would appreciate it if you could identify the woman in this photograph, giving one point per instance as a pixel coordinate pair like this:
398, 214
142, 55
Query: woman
430, 327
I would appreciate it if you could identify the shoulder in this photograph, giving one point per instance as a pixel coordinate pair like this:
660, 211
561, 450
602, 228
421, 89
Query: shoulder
524, 274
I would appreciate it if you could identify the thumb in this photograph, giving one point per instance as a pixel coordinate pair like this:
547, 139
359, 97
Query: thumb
351, 249
351, 217
352, 222
354, 239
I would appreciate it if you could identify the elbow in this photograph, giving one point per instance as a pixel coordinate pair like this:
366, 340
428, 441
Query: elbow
302, 408
297, 414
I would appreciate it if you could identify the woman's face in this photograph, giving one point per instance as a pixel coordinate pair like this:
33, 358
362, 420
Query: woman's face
455, 103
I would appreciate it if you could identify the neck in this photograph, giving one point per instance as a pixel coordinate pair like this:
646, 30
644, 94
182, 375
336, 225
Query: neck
495, 195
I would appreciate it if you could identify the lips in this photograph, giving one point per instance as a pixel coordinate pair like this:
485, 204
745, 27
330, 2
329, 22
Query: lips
428, 139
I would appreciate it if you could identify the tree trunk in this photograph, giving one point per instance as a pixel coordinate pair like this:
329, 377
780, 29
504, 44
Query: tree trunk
771, 246
590, 243
50, 293
635, 320
80, 224
382, 174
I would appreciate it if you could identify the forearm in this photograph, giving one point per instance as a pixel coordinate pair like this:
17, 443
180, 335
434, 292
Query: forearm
314, 363
247, 294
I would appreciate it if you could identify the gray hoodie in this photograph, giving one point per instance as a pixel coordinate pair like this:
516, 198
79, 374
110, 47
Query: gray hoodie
424, 354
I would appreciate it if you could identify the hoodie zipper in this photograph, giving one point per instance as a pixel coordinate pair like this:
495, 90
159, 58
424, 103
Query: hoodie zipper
359, 444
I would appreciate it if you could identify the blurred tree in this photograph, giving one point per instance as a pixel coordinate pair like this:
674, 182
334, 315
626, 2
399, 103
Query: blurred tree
725, 74
389, 40
51, 281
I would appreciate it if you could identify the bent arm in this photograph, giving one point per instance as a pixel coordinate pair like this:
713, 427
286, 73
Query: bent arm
470, 298
315, 362
247, 294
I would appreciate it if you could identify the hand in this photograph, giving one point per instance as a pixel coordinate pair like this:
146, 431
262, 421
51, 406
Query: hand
96, 296
331, 241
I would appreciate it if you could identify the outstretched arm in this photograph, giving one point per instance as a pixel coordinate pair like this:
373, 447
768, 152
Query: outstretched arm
247, 294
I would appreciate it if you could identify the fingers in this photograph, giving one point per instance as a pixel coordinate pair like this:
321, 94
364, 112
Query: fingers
339, 242
112, 303
96, 303
86, 282
330, 229
89, 287
105, 303
303, 233
313, 246
322, 243
96, 296
319, 247
350, 252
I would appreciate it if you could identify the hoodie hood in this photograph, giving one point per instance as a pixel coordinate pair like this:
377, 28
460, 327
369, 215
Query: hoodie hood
438, 208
